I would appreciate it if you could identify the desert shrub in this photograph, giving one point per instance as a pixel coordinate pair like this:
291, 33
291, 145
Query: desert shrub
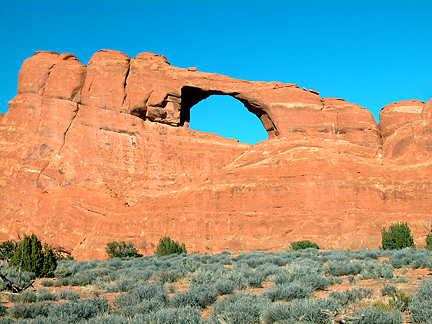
171, 289
400, 300
76, 280
82, 310
298, 271
366, 254
287, 292
224, 286
252, 259
351, 279
335, 256
388, 290
344, 268
67, 295
44, 295
299, 311
374, 270
401, 258
166, 246
276, 312
5, 320
319, 282
351, 295
397, 237
424, 291
308, 277
300, 245
145, 291
60, 282
68, 268
267, 269
121, 250
208, 274
195, 296
114, 264
374, 315
110, 318
27, 297
20, 310
401, 279
181, 315
421, 312
423, 260
13, 298
190, 264
282, 261
2, 309
167, 276
143, 307
381, 305
124, 284
255, 280
47, 283
31, 257
238, 309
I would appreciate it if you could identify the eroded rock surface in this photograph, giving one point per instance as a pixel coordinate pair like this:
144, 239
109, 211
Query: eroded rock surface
97, 153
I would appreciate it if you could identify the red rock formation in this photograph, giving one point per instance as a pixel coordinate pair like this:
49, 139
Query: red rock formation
101, 153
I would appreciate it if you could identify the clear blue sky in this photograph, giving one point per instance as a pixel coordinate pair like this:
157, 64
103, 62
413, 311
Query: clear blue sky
367, 52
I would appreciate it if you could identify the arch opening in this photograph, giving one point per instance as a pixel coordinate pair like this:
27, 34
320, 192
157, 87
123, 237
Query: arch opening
220, 113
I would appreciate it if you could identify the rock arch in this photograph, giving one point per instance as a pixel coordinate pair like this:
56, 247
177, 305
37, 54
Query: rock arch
190, 96
225, 116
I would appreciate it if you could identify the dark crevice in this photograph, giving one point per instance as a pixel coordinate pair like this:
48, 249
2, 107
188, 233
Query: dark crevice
89, 210
43, 169
120, 131
64, 141
125, 84
49, 72
67, 129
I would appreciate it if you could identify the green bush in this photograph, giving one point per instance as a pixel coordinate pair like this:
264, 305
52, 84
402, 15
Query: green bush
167, 246
397, 237
30, 256
121, 250
300, 245
429, 242
7, 249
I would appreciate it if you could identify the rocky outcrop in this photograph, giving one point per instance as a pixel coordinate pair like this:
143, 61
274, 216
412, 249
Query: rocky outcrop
96, 153
406, 131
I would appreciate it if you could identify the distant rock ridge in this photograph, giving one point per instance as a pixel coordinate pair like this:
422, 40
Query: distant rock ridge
96, 153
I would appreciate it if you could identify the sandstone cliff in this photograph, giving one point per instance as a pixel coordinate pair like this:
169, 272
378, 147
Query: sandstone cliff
96, 153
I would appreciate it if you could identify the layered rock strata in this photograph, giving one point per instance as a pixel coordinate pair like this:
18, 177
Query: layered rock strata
96, 153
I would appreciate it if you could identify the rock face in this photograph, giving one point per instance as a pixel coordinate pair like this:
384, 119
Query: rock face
100, 153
